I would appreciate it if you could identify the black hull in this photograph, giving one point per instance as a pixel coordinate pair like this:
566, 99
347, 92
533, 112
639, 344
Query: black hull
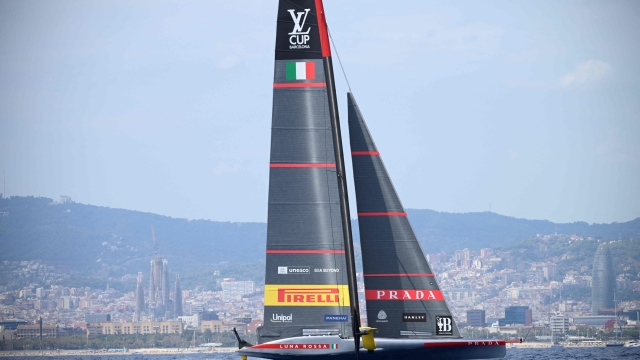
392, 349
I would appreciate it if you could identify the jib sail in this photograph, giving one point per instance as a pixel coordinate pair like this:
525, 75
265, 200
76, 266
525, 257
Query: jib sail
402, 295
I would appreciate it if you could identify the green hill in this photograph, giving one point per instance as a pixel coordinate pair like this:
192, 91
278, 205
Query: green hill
111, 242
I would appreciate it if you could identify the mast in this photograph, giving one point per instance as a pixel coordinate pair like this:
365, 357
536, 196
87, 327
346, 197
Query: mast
339, 154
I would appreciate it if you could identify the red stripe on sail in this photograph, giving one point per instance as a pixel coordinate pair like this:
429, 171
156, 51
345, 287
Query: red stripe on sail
301, 165
382, 213
322, 27
365, 153
398, 275
465, 343
298, 85
305, 251
403, 295
311, 70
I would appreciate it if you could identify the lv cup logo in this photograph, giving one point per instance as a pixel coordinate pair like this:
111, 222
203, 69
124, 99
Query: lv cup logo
298, 37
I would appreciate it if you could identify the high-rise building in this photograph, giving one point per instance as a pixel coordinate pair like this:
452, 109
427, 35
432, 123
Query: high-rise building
520, 315
177, 299
476, 318
603, 281
139, 299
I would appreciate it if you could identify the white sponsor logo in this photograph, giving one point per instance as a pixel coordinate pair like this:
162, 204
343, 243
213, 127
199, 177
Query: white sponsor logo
326, 270
382, 317
445, 326
298, 37
282, 318
283, 270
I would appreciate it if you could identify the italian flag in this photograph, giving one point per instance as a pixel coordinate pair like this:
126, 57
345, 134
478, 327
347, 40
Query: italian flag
301, 70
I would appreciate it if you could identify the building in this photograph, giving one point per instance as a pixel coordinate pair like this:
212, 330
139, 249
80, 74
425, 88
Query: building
143, 327
137, 316
191, 321
97, 318
594, 320
240, 327
254, 325
94, 329
215, 326
232, 289
486, 252
210, 315
33, 331
159, 303
513, 315
559, 324
476, 318
177, 299
604, 280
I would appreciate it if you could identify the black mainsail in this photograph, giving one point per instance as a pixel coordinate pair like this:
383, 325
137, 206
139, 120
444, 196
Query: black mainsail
308, 240
403, 297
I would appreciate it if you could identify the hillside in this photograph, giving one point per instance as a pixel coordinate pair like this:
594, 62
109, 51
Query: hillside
112, 242
442, 231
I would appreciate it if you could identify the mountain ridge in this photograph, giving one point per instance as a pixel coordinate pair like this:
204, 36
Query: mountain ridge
111, 242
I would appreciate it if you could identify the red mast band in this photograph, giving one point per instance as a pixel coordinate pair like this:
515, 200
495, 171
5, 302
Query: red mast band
298, 85
365, 153
382, 214
322, 28
301, 165
398, 275
305, 251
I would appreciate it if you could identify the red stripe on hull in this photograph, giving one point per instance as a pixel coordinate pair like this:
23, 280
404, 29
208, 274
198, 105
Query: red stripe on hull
382, 214
305, 251
398, 275
403, 295
296, 346
465, 343
365, 153
298, 85
301, 165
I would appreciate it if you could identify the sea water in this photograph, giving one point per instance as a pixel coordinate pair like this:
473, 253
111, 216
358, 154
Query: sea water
513, 354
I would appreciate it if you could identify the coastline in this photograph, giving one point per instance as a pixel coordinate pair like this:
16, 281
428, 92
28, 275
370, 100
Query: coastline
149, 351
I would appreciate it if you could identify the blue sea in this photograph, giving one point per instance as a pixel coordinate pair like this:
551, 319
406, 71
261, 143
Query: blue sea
519, 354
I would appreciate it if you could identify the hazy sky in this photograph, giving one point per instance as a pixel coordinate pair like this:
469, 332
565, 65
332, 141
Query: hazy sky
165, 106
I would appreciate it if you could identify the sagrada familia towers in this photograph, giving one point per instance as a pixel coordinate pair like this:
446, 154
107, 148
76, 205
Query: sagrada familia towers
159, 304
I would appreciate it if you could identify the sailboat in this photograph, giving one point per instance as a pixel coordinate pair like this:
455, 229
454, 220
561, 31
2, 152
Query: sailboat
616, 326
311, 306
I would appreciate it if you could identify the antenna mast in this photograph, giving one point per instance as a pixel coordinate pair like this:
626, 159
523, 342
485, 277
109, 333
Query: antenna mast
155, 244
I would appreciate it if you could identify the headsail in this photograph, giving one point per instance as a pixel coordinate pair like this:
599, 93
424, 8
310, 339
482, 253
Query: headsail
306, 282
403, 297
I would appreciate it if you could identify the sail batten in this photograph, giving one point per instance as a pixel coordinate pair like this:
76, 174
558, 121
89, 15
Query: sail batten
403, 297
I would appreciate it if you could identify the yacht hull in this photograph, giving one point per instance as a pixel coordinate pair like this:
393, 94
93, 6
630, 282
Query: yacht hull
334, 347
